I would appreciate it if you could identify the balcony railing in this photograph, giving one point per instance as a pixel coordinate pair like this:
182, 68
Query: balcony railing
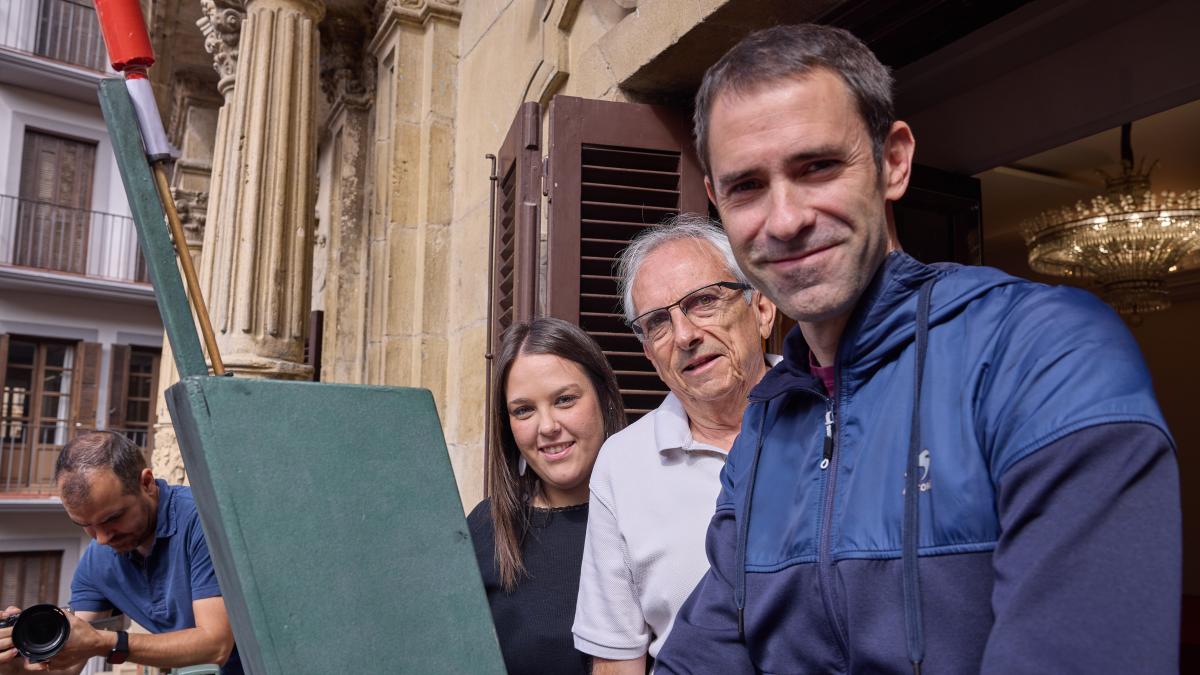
63, 30
28, 453
27, 456
47, 236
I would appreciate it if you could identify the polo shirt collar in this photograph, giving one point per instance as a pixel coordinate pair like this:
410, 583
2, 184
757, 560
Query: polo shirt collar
164, 524
671, 429
672, 432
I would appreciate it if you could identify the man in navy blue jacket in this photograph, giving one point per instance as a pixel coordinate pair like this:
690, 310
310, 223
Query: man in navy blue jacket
953, 470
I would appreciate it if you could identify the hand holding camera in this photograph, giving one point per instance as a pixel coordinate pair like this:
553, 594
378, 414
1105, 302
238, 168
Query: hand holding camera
30, 638
37, 633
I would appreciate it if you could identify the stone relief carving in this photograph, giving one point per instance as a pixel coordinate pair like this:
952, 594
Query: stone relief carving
193, 210
222, 26
416, 11
188, 89
347, 72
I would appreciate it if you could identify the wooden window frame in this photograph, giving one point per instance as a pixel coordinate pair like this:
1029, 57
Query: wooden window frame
33, 470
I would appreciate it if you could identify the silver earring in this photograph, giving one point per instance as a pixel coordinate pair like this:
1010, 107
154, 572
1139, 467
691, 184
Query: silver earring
521, 465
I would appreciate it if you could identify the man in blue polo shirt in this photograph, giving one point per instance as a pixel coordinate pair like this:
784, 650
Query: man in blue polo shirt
148, 560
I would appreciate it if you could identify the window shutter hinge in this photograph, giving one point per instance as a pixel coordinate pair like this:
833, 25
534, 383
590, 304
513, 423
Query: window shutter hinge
546, 176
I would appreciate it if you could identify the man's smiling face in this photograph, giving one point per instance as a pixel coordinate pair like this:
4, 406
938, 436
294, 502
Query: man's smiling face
710, 362
797, 185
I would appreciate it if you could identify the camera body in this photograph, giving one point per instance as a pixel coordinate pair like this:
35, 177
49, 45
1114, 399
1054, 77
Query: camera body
39, 632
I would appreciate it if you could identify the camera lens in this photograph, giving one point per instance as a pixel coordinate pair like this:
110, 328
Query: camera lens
41, 632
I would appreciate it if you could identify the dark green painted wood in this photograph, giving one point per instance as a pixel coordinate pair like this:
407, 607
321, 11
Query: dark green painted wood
335, 526
153, 235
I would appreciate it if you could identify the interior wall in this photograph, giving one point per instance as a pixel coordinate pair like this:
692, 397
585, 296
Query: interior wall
1050, 73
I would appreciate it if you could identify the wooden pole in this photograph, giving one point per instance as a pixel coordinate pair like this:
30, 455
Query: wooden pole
189, 270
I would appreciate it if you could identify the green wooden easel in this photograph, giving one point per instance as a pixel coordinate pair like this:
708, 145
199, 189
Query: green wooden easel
330, 511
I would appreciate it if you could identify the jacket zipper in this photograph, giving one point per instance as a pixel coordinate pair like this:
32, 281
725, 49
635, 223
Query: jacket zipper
827, 454
829, 465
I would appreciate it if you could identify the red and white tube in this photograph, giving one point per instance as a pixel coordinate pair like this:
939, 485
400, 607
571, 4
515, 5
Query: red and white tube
129, 49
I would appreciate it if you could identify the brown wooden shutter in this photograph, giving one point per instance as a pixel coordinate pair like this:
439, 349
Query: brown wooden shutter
3, 373
118, 388
86, 396
29, 577
615, 169
156, 369
512, 294
515, 243
55, 195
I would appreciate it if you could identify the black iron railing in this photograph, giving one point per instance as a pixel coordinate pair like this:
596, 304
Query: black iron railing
63, 30
48, 236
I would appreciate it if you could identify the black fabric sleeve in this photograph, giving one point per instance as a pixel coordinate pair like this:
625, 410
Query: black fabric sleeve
1088, 567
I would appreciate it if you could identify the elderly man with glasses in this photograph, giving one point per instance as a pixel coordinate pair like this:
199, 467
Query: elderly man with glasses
655, 484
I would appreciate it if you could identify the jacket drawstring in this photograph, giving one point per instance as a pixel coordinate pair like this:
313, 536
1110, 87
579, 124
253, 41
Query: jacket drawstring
911, 529
739, 590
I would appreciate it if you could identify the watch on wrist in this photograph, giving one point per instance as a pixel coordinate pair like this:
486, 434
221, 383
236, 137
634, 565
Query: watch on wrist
120, 652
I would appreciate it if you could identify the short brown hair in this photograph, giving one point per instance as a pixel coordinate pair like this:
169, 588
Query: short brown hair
93, 451
792, 52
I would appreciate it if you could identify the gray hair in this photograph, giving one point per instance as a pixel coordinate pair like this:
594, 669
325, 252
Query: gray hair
794, 51
682, 226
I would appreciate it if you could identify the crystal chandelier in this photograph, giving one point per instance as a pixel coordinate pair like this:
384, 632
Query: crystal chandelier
1126, 240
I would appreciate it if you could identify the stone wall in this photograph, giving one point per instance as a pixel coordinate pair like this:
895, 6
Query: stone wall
511, 52
413, 94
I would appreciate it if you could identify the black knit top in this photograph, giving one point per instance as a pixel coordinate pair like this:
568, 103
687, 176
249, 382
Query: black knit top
534, 621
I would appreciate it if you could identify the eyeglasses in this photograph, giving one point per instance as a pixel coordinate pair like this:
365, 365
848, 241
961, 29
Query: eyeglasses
701, 306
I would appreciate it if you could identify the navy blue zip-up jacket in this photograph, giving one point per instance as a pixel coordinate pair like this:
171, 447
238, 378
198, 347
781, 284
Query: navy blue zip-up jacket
1049, 533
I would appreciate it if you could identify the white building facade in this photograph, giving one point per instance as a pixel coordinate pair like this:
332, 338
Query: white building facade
80, 336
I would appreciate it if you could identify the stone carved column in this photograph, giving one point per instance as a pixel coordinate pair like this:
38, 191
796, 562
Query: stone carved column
256, 262
348, 82
416, 46
191, 127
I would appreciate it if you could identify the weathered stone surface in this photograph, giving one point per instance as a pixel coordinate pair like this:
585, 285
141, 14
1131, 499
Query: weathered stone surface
257, 258
221, 26
165, 461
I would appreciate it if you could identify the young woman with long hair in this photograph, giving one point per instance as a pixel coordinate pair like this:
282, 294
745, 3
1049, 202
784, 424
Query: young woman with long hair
554, 403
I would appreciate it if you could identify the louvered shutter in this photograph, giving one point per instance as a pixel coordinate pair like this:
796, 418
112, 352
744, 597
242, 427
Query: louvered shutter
512, 294
86, 396
615, 169
118, 388
515, 243
3, 380
29, 577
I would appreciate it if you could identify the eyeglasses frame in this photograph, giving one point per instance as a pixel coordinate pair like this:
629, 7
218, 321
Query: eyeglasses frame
641, 336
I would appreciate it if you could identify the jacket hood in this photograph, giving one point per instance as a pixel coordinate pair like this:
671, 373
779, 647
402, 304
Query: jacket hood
884, 321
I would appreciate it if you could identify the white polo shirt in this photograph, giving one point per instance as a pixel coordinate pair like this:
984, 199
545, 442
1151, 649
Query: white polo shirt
653, 492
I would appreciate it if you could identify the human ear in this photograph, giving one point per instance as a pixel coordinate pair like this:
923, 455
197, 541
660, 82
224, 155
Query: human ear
708, 188
765, 309
898, 150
